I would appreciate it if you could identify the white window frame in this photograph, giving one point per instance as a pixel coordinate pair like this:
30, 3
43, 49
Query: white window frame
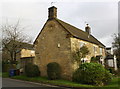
101, 51
95, 49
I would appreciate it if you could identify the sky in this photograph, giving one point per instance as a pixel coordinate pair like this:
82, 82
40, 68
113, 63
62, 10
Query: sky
101, 15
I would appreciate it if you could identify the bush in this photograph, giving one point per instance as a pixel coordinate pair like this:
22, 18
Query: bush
118, 72
53, 71
91, 73
107, 77
32, 70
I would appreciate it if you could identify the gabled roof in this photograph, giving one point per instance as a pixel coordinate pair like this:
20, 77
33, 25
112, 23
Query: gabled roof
78, 33
75, 32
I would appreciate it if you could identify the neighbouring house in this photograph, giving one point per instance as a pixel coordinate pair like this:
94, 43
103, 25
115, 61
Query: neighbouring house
25, 56
110, 60
7, 52
58, 40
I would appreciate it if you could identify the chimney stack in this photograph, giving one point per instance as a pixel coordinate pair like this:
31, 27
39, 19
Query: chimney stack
52, 12
87, 29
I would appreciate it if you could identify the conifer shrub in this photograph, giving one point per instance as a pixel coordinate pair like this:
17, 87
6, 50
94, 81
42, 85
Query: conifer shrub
53, 71
32, 70
92, 73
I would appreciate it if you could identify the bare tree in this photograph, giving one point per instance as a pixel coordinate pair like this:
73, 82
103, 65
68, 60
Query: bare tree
13, 39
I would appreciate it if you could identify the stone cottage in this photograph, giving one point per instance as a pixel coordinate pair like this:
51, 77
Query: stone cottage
58, 39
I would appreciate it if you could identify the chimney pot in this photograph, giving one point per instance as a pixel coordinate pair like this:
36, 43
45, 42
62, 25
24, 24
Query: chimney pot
52, 12
87, 29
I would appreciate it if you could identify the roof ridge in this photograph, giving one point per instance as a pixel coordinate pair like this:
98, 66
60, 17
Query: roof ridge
71, 25
97, 40
79, 33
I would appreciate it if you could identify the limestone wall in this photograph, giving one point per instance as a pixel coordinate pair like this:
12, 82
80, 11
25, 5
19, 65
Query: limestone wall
27, 53
94, 49
53, 46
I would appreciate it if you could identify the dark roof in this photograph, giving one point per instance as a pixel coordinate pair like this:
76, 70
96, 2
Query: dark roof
108, 48
27, 57
109, 57
75, 32
78, 33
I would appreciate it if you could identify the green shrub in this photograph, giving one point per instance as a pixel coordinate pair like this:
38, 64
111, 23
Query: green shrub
91, 73
118, 73
53, 71
107, 77
32, 70
112, 70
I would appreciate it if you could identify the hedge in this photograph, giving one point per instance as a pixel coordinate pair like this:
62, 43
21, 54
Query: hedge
32, 70
53, 71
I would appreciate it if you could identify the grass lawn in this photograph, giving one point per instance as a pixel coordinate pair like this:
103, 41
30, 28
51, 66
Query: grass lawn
54, 82
5, 74
114, 84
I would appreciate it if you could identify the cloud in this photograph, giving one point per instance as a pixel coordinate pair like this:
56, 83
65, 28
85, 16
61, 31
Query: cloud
107, 40
102, 16
24, 10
